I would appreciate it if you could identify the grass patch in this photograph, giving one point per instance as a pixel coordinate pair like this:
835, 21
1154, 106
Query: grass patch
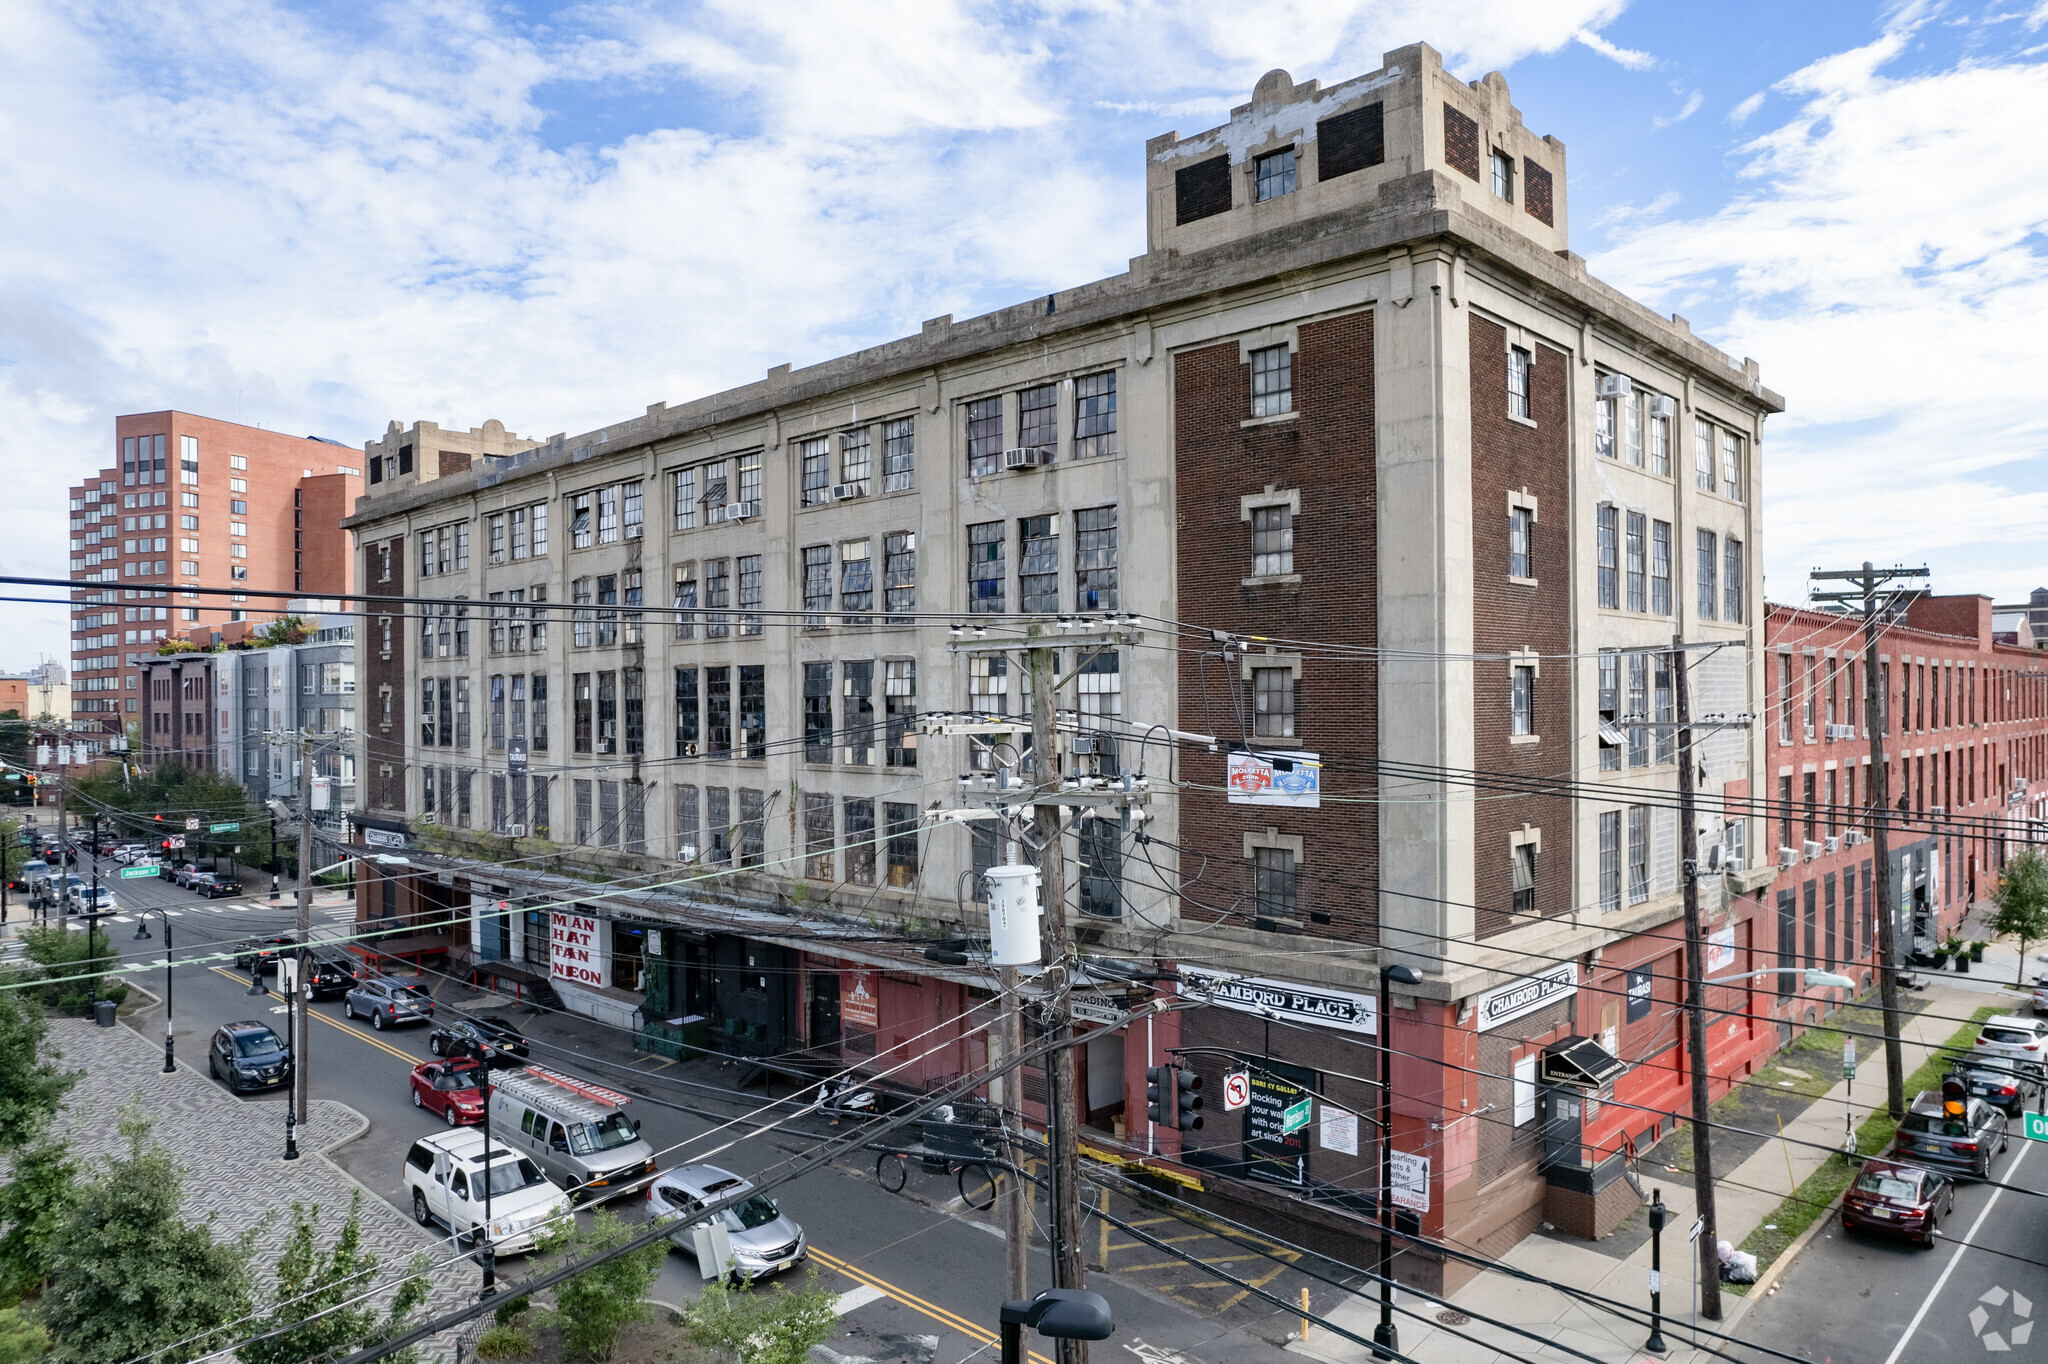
1817, 1194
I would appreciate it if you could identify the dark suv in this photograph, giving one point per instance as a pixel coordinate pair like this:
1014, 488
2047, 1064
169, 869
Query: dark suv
248, 1055
262, 953
329, 976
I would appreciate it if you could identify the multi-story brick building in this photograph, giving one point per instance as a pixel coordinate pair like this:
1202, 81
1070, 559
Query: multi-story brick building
1389, 497
190, 502
1967, 747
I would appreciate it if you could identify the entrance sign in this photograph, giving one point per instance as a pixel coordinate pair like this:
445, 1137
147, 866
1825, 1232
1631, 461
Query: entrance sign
1283, 999
1517, 998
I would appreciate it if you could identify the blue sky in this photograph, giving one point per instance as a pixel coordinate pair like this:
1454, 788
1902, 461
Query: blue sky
322, 217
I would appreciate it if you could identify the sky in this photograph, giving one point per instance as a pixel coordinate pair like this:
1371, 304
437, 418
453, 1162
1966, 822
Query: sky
320, 217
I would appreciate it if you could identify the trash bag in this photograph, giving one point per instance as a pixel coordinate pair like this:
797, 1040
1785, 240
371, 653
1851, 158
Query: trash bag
1737, 1266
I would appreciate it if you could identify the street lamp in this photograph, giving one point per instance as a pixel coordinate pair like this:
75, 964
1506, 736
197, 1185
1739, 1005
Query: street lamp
490, 1245
142, 935
1386, 1338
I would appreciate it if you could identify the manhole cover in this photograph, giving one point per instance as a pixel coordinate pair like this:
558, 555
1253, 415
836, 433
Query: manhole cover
1451, 1316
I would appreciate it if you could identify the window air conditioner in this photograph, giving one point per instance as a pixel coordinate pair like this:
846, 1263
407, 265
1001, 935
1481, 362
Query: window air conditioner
1832, 844
1811, 849
1788, 857
1841, 732
515, 830
604, 745
737, 511
1615, 386
842, 491
1937, 810
1661, 406
1731, 865
1024, 457
1081, 743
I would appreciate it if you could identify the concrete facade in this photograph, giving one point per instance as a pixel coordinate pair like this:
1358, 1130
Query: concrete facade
1466, 415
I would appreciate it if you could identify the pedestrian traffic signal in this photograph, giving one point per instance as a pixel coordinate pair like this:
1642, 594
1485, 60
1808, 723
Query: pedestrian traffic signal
1187, 1101
1159, 1094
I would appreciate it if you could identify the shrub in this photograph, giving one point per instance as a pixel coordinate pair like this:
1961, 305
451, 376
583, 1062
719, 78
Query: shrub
504, 1342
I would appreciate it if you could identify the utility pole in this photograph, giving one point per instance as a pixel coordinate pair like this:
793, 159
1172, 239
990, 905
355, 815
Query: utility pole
1016, 1206
305, 919
1709, 1266
1871, 595
1065, 1115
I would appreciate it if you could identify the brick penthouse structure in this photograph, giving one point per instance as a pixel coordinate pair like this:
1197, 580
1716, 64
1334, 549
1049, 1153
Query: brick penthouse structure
191, 502
1408, 509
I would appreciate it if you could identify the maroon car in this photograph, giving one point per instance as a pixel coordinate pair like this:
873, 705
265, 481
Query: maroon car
450, 1089
1902, 1200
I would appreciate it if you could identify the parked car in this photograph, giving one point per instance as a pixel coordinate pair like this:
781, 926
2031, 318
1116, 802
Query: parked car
57, 891
1900, 1200
449, 1088
489, 1039
185, 873
2023, 1039
1952, 1130
168, 869
214, 886
388, 1002
329, 976
764, 1239
2002, 1082
130, 853
445, 1176
262, 953
2040, 995
248, 1055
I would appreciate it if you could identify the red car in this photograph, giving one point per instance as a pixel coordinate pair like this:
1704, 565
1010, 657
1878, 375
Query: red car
449, 1088
1900, 1199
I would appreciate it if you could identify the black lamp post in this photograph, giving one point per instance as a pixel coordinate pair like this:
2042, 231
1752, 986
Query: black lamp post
142, 935
490, 1245
1655, 1344
1386, 1337
291, 1068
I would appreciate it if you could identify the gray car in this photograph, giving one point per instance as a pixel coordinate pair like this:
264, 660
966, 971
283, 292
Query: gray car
764, 1239
388, 1002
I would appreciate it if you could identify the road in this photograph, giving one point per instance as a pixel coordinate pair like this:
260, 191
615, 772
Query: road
1978, 1293
911, 1269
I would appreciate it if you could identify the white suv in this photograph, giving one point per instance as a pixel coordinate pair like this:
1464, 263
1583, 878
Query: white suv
444, 1173
2022, 1039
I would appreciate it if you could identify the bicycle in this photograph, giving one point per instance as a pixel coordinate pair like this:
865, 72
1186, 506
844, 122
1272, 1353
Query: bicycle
979, 1183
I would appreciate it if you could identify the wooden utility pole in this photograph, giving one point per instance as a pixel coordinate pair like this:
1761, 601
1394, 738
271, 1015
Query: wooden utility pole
301, 1011
1016, 1205
1060, 1078
1877, 789
1709, 1266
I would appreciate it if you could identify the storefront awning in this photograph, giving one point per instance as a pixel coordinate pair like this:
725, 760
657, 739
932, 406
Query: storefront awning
1581, 1063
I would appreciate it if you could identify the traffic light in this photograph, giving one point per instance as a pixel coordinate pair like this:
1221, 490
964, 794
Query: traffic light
1955, 1106
1187, 1100
1159, 1094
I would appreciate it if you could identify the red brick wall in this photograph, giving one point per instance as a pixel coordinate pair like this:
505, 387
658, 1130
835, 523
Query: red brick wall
1505, 616
1327, 453
325, 499
1968, 616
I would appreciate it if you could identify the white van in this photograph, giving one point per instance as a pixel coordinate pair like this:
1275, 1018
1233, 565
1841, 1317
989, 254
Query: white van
444, 1174
577, 1131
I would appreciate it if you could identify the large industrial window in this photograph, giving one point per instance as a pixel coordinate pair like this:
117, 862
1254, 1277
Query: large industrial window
860, 841
1095, 576
1518, 382
1660, 568
1272, 381
1273, 703
718, 712
985, 436
1276, 174
1610, 860
985, 571
1521, 528
899, 454
1038, 564
1272, 540
1102, 868
1638, 854
1606, 571
857, 687
1095, 415
856, 582
1523, 859
815, 457
1637, 525
1708, 573
817, 712
817, 583
899, 688
1274, 888
818, 849
1038, 419
902, 845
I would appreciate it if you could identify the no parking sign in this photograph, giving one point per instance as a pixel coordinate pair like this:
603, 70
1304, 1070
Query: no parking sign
1237, 1091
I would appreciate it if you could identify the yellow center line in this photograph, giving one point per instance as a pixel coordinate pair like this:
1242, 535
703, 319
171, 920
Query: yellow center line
939, 1314
357, 1033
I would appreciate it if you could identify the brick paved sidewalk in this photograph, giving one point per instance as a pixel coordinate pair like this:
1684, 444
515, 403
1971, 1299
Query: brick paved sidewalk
231, 1152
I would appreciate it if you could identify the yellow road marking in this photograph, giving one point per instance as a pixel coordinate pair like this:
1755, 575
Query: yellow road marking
1183, 1264
980, 1334
355, 1032
1235, 1298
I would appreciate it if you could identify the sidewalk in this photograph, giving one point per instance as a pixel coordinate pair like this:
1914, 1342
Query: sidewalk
1744, 1197
231, 1152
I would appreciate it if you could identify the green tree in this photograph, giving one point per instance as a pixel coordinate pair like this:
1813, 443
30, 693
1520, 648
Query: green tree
311, 1282
756, 1326
595, 1306
31, 1086
67, 959
14, 737
284, 630
36, 1201
2021, 900
22, 1341
131, 1277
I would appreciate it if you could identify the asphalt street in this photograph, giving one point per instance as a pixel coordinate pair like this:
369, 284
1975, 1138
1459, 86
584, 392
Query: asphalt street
1980, 1292
911, 1268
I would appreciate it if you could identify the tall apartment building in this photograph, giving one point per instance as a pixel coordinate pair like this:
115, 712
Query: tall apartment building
1379, 488
190, 502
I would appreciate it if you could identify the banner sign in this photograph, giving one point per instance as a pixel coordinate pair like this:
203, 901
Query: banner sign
1506, 1003
1293, 779
1639, 1000
859, 1006
1720, 949
1273, 1150
573, 955
1283, 999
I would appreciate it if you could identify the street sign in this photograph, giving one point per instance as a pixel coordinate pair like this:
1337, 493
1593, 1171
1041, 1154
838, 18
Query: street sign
175, 841
133, 873
1699, 1224
1849, 1058
2037, 1127
1296, 1118
224, 828
192, 825
1237, 1091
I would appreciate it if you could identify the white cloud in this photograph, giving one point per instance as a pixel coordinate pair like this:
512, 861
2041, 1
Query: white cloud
245, 209
1739, 115
1692, 106
1881, 265
1628, 57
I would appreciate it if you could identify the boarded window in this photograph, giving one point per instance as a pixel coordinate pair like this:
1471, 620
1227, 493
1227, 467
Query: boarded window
1203, 189
1350, 141
1536, 198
